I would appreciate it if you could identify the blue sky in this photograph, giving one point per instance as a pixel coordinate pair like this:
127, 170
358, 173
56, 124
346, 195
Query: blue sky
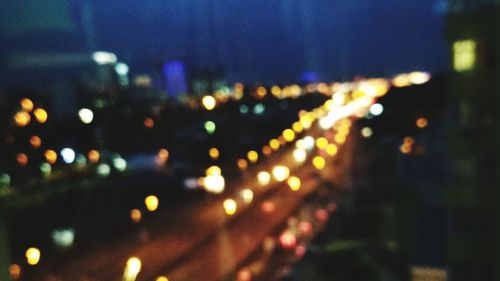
258, 40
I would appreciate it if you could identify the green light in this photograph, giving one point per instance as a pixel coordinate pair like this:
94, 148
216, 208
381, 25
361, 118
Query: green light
103, 170
259, 109
4, 180
99, 103
210, 127
80, 160
120, 164
243, 109
46, 169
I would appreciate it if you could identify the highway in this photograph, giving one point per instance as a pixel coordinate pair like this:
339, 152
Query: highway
221, 235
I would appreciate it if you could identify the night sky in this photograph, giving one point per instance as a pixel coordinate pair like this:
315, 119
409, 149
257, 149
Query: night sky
259, 40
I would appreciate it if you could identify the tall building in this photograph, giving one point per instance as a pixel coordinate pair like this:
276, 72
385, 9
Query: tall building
473, 31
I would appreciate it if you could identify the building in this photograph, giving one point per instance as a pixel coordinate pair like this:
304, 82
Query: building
473, 32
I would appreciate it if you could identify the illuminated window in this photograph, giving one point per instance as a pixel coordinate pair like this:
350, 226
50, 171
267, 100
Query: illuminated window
464, 55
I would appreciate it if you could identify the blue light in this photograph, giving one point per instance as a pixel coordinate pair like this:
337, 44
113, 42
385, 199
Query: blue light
174, 73
309, 77
68, 155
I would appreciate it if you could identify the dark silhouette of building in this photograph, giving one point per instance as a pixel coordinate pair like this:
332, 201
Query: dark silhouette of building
473, 31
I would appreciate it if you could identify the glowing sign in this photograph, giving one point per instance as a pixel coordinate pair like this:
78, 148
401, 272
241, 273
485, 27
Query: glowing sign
464, 55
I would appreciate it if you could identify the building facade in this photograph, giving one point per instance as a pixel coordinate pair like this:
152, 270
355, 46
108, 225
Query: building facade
473, 31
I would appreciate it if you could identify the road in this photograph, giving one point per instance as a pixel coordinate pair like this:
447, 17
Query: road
200, 242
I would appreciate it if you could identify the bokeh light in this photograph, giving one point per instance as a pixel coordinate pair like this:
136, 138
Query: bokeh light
41, 115
252, 156
319, 162
281, 173
27, 104
264, 178
68, 155
86, 115
33, 256
294, 183
213, 153
230, 206
152, 203
209, 102
50, 156
22, 119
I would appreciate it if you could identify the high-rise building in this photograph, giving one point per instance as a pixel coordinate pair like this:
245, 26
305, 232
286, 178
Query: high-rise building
473, 31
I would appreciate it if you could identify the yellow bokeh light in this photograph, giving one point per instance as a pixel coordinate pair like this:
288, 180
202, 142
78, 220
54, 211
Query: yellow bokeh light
319, 162
135, 215
213, 171
152, 203
297, 127
295, 90
402, 80
274, 144
281, 173
294, 183
464, 55
93, 156
163, 153
27, 104
419, 78
264, 178
422, 123
252, 156
306, 121
132, 269
331, 149
276, 91
242, 164
208, 102
50, 156
328, 104
35, 142
323, 88
22, 118
345, 122
288, 135
321, 143
162, 278
230, 206
214, 183
261, 92
340, 138
338, 98
344, 130
41, 115
213, 153
357, 94
247, 195
33, 256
